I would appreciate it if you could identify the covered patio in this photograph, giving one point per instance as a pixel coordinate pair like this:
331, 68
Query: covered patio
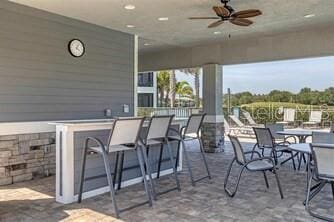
69, 75
207, 201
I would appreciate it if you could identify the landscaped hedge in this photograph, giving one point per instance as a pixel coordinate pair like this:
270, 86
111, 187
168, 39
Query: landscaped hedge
264, 112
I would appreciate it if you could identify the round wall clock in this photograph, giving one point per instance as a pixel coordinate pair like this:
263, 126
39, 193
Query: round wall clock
76, 48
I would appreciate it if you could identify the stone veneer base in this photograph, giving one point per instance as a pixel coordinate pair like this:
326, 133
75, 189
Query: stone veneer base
213, 137
23, 157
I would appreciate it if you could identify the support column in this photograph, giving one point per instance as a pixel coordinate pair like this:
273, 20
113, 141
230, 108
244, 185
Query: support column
213, 126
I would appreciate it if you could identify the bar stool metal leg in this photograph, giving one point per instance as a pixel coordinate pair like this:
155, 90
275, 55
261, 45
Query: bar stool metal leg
142, 169
160, 159
204, 159
148, 171
83, 167
177, 155
188, 162
110, 181
120, 171
173, 164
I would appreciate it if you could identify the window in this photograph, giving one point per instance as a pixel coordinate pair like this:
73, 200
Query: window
145, 79
145, 100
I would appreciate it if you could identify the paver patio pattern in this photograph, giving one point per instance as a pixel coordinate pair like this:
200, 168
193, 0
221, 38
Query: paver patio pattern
207, 201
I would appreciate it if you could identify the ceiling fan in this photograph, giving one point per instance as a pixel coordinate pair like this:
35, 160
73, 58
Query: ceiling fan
227, 13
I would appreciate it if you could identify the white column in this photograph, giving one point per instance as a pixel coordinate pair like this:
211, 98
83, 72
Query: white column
213, 127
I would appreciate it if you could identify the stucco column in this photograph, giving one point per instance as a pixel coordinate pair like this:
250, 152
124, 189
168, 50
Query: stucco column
213, 126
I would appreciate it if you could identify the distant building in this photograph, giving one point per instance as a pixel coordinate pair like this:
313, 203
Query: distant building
147, 89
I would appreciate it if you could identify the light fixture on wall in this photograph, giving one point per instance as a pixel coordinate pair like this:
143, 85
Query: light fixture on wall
217, 32
130, 7
309, 15
147, 44
130, 26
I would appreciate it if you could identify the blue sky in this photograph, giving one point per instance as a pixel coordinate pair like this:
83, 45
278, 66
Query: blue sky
291, 75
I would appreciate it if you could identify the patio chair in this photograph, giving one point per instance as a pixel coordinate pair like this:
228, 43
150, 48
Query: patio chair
332, 128
250, 119
323, 173
260, 164
314, 119
274, 128
242, 128
266, 141
323, 137
190, 132
157, 135
124, 136
289, 117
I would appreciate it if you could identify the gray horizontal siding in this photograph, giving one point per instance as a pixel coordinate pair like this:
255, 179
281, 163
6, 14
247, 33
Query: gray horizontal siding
40, 80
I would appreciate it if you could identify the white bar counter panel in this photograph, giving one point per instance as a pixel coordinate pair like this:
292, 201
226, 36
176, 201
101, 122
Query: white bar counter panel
70, 136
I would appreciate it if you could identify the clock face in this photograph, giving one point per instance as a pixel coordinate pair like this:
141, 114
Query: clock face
76, 48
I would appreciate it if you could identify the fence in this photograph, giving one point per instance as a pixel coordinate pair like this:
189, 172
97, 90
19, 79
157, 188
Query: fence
179, 112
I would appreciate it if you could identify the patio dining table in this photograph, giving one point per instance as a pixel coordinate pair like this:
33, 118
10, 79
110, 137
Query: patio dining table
302, 135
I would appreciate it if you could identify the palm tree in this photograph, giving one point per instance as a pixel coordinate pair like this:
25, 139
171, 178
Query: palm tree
163, 79
172, 85
183, 89
195, 72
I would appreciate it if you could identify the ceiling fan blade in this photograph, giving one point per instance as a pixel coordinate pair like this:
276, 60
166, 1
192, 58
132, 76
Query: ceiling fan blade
221, 11
215, 24
241, 21
204, 18
247, 13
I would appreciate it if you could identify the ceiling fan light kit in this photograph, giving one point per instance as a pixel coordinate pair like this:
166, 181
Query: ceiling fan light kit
227, 13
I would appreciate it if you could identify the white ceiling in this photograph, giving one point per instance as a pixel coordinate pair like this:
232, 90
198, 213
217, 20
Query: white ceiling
278, 16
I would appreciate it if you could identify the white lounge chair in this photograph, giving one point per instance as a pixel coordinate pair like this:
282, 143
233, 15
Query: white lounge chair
241, 128
250, 119
314, 119
289, 117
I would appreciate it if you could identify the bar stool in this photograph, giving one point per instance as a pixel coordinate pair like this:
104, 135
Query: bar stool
124, 136
157, 134
191, 132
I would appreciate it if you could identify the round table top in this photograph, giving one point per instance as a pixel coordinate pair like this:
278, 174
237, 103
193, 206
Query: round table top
301, 147
295, 132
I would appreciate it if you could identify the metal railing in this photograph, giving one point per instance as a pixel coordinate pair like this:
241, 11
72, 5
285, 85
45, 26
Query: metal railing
179, 112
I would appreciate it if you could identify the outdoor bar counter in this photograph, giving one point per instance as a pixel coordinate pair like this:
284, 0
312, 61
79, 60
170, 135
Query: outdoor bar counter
70, 136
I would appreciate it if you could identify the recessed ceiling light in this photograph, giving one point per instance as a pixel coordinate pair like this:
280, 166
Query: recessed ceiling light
217, 32
163, 19
130, 26
129, 7
147, 44
309, 15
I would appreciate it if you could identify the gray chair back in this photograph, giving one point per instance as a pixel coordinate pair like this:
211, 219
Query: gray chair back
238, 150
323, 137
274, 128
264, 137
125, 131
194, 124
332, 128
159, 126
323, 155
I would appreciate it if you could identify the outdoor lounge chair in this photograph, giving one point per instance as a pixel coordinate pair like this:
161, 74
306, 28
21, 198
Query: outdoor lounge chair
314, 119
250, 119
260, 164
289, 117
240, 129
323, 173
